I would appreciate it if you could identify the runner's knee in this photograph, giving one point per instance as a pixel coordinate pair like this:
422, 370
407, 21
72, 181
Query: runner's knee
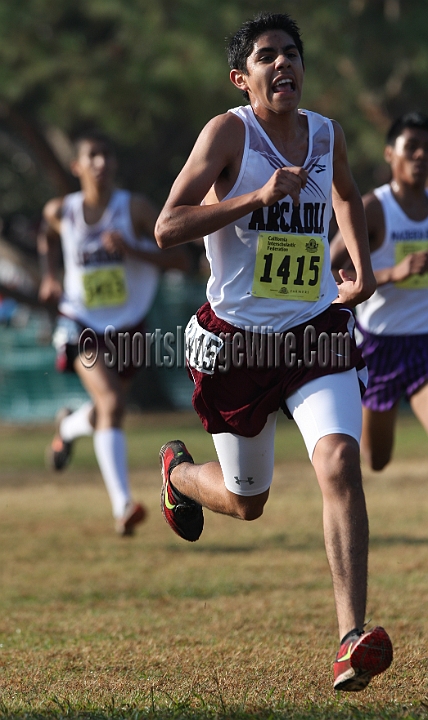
249, 508
337, 464
111, 407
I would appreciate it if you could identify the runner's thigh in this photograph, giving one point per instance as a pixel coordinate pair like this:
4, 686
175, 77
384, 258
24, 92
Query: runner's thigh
326, 406
247, 463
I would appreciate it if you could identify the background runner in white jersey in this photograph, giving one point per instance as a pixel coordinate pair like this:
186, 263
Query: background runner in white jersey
394, 321
84, 253
397, 308
111, 268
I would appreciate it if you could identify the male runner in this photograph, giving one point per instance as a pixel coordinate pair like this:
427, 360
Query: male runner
393, 322
259, 185
111, 268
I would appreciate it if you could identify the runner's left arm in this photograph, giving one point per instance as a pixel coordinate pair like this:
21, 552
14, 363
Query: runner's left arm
350, 216
415, 263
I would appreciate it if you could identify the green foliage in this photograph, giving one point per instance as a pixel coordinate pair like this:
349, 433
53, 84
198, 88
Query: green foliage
151, 73
370, 61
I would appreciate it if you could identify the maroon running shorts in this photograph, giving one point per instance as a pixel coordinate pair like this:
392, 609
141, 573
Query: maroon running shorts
239, 399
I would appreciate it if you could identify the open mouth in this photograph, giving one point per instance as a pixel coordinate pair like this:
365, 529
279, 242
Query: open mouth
284, 85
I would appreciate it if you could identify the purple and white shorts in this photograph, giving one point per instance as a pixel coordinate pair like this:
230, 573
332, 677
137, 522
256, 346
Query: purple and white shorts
397, 365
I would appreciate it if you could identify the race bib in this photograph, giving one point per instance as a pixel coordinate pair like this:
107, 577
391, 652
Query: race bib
105, 287
414, 282
288, 267
202, 347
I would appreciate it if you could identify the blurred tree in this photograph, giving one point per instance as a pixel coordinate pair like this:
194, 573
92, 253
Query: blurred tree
151, 73
371, 61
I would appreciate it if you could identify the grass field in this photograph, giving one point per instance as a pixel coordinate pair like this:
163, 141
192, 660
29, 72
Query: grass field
238, 625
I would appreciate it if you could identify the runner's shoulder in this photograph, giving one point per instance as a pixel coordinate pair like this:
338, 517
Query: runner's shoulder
52, 211
373, 208
375, 220
226, 130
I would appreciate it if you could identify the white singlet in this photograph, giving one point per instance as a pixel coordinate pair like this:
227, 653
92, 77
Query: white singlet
271, 269
396, 309
102, 288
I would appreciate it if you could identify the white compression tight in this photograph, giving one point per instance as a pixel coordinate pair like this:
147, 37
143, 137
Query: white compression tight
325, 406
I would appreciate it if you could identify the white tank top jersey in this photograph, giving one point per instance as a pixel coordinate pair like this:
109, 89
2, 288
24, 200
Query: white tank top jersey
397, 308
271, 269
102, 288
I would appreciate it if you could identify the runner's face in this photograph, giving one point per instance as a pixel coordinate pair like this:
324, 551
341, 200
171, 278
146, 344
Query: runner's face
274, 77
95, 163
409, 157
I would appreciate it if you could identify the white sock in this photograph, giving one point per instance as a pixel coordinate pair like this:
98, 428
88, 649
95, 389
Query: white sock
77, 424
110, 451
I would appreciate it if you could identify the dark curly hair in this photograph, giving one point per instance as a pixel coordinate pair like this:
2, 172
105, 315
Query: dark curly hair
409, 120
240, 45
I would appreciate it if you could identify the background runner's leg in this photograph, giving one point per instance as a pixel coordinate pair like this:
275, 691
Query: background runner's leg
419, 405
377, 438
108, 392
80, 423
110, 451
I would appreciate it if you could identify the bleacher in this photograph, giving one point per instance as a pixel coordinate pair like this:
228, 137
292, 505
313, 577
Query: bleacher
31, 390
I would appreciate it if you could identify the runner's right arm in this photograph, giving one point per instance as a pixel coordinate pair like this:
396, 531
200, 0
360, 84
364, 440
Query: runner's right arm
49, 249
212, 168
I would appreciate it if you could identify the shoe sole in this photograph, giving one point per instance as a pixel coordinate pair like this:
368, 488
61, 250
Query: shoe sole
164, 479
370, 657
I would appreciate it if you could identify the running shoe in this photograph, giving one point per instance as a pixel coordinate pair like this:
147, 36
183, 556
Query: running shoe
360, 658
182, 514
135, 513
59, 451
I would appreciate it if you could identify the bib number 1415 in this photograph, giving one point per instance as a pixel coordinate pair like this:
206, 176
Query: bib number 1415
284, 269
288, 267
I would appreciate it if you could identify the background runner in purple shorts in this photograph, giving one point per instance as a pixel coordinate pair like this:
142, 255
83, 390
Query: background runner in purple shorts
394, 321
398, 367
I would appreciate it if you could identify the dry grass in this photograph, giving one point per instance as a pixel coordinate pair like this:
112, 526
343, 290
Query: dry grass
239, 625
